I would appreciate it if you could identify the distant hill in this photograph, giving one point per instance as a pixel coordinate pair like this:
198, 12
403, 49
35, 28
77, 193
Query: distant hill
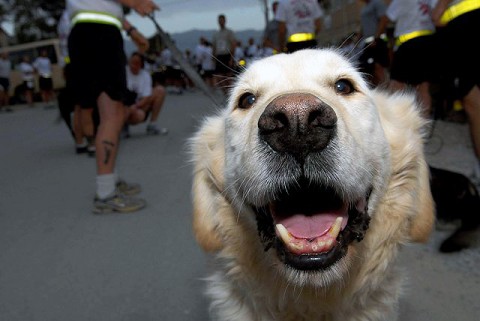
189, 39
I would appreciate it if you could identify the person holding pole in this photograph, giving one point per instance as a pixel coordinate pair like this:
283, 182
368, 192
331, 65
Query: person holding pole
98, 78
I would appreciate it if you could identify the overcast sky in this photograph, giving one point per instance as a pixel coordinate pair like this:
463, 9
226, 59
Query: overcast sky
182, 15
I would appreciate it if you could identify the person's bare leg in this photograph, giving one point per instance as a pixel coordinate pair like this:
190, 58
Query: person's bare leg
395, 85
424, 97
44, 96
2, 99
107, 138
158, 94
48, 96
29, 97
77, 126
88, 129
379, 75
135, 116
111, 191
471, 104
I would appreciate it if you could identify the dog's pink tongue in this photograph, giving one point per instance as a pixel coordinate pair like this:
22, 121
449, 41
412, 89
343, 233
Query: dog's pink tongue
309, 227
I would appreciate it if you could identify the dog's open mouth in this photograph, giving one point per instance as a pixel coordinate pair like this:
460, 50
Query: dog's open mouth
311, 226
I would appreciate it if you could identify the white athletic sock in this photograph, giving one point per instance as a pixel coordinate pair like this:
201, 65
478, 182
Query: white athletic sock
105, 185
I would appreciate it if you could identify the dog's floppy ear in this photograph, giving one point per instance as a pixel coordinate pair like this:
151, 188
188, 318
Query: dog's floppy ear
208, 151
410, 182
422, 223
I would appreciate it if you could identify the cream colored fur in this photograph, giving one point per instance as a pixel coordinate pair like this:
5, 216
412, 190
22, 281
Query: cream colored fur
379, 134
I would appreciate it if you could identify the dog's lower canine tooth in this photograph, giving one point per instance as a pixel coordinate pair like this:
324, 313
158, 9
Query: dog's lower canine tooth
336, 227
283, 233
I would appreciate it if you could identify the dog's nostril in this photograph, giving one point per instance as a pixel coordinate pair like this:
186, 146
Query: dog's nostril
322, 117
275, 122
282, 120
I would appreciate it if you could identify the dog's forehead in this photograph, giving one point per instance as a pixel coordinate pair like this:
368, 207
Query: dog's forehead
319, 64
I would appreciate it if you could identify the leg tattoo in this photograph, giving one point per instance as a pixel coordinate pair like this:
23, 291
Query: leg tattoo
108, 150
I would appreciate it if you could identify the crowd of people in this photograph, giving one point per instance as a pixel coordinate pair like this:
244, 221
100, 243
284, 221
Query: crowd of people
38, 72
430, 44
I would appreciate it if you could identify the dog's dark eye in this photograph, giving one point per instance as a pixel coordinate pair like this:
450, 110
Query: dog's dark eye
246, 100
344, 87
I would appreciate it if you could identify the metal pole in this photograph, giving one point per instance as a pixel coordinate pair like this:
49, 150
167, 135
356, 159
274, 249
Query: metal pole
184, 64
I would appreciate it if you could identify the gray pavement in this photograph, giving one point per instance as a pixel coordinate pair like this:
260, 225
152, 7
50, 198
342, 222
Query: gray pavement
58, 261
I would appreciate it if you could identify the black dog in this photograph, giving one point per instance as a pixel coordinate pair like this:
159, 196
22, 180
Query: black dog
456, 198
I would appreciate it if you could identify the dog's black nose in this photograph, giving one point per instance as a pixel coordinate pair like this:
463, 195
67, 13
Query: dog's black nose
298, 124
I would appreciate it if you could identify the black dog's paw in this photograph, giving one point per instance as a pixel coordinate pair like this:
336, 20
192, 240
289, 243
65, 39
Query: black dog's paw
458, 241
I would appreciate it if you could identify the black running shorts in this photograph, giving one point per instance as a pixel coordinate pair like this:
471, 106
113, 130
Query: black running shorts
97, 62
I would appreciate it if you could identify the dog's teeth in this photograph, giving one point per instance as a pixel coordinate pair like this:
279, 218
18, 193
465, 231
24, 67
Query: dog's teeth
296, 246
291, 243
283, 233
318, 246
336, 227
329, 243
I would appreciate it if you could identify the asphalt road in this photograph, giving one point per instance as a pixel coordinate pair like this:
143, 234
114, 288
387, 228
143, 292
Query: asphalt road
59, 262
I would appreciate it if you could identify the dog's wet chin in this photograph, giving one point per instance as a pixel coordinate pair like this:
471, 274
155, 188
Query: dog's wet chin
311, 227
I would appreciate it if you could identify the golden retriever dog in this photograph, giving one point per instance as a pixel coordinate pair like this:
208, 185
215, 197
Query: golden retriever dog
305, 187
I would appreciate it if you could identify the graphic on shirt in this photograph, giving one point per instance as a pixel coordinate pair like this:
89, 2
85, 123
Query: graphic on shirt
424, 6
301, 10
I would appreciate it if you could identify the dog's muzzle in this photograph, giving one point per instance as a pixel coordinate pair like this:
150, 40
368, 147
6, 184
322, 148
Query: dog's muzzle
309, 224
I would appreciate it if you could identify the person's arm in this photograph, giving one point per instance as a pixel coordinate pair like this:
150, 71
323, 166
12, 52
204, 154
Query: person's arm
282, 33
438, 11
318, 26
143, 7
140, 41
382, 26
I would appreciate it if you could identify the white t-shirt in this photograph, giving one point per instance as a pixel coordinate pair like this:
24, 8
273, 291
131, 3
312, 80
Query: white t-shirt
166, 57
206, 58
197, 53
370, 15
411, 15
27, 71
299, 16
140, 83
252, 51
110, 7
43, 66
5, 68
239, 54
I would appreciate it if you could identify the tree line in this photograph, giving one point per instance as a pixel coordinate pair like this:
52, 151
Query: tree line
32, 20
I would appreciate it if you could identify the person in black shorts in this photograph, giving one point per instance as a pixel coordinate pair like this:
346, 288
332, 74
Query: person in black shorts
5, 70
98, 78
43, 67
458, 23
223, 43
